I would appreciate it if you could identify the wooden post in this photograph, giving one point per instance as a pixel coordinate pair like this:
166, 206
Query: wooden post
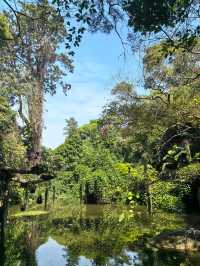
148, 190
54, 194
81, 194
149, 199
46, 197
26, 198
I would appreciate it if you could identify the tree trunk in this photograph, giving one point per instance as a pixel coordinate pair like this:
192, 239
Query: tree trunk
5, 184
81, 193
198, 196
35, 109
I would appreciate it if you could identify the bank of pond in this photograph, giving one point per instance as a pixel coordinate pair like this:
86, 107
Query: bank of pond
96, 234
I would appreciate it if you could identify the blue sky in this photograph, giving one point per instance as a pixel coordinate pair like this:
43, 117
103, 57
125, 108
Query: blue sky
99, 65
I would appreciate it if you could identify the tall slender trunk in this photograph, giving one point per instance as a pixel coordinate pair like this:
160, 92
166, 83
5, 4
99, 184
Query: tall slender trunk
26, 199
81, 193
4, 196
35, 109
54, 194
188, 151
148, 190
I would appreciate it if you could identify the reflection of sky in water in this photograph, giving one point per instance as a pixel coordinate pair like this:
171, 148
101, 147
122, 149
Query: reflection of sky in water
132, 259
53, 254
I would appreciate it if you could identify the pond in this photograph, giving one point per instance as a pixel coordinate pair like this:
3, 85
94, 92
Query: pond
94, 235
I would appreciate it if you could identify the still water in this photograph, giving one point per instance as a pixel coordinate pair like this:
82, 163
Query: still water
94, 235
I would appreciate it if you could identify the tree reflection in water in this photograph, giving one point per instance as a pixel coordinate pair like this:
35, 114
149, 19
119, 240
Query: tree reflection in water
90, 237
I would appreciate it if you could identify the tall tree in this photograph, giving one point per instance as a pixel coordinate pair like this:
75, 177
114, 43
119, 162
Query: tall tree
71, 127
34, 63
166, 69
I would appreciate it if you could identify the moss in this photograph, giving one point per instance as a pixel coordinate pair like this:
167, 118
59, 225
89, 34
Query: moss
29, 214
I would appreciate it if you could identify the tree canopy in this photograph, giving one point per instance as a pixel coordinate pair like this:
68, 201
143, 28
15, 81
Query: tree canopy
140, 140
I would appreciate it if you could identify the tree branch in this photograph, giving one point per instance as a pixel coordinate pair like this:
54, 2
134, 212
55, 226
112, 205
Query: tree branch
20, 111
15, 13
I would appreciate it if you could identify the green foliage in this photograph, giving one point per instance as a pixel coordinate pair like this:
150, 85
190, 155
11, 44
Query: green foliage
29, 214
189, 172
7, 116
71, 126
45, 29
119, 154
150, 15
127, 150
68, 154
33, 64
172, 69
95, 233
5, 33
86, 164
175, 21
12, 151
164, 197
161, 128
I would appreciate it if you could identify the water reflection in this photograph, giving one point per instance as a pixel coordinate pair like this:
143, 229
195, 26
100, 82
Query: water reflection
52, 253
92, 236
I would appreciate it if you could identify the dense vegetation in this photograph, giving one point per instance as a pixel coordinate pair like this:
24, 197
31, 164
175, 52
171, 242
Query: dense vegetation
141, 145
143, 149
